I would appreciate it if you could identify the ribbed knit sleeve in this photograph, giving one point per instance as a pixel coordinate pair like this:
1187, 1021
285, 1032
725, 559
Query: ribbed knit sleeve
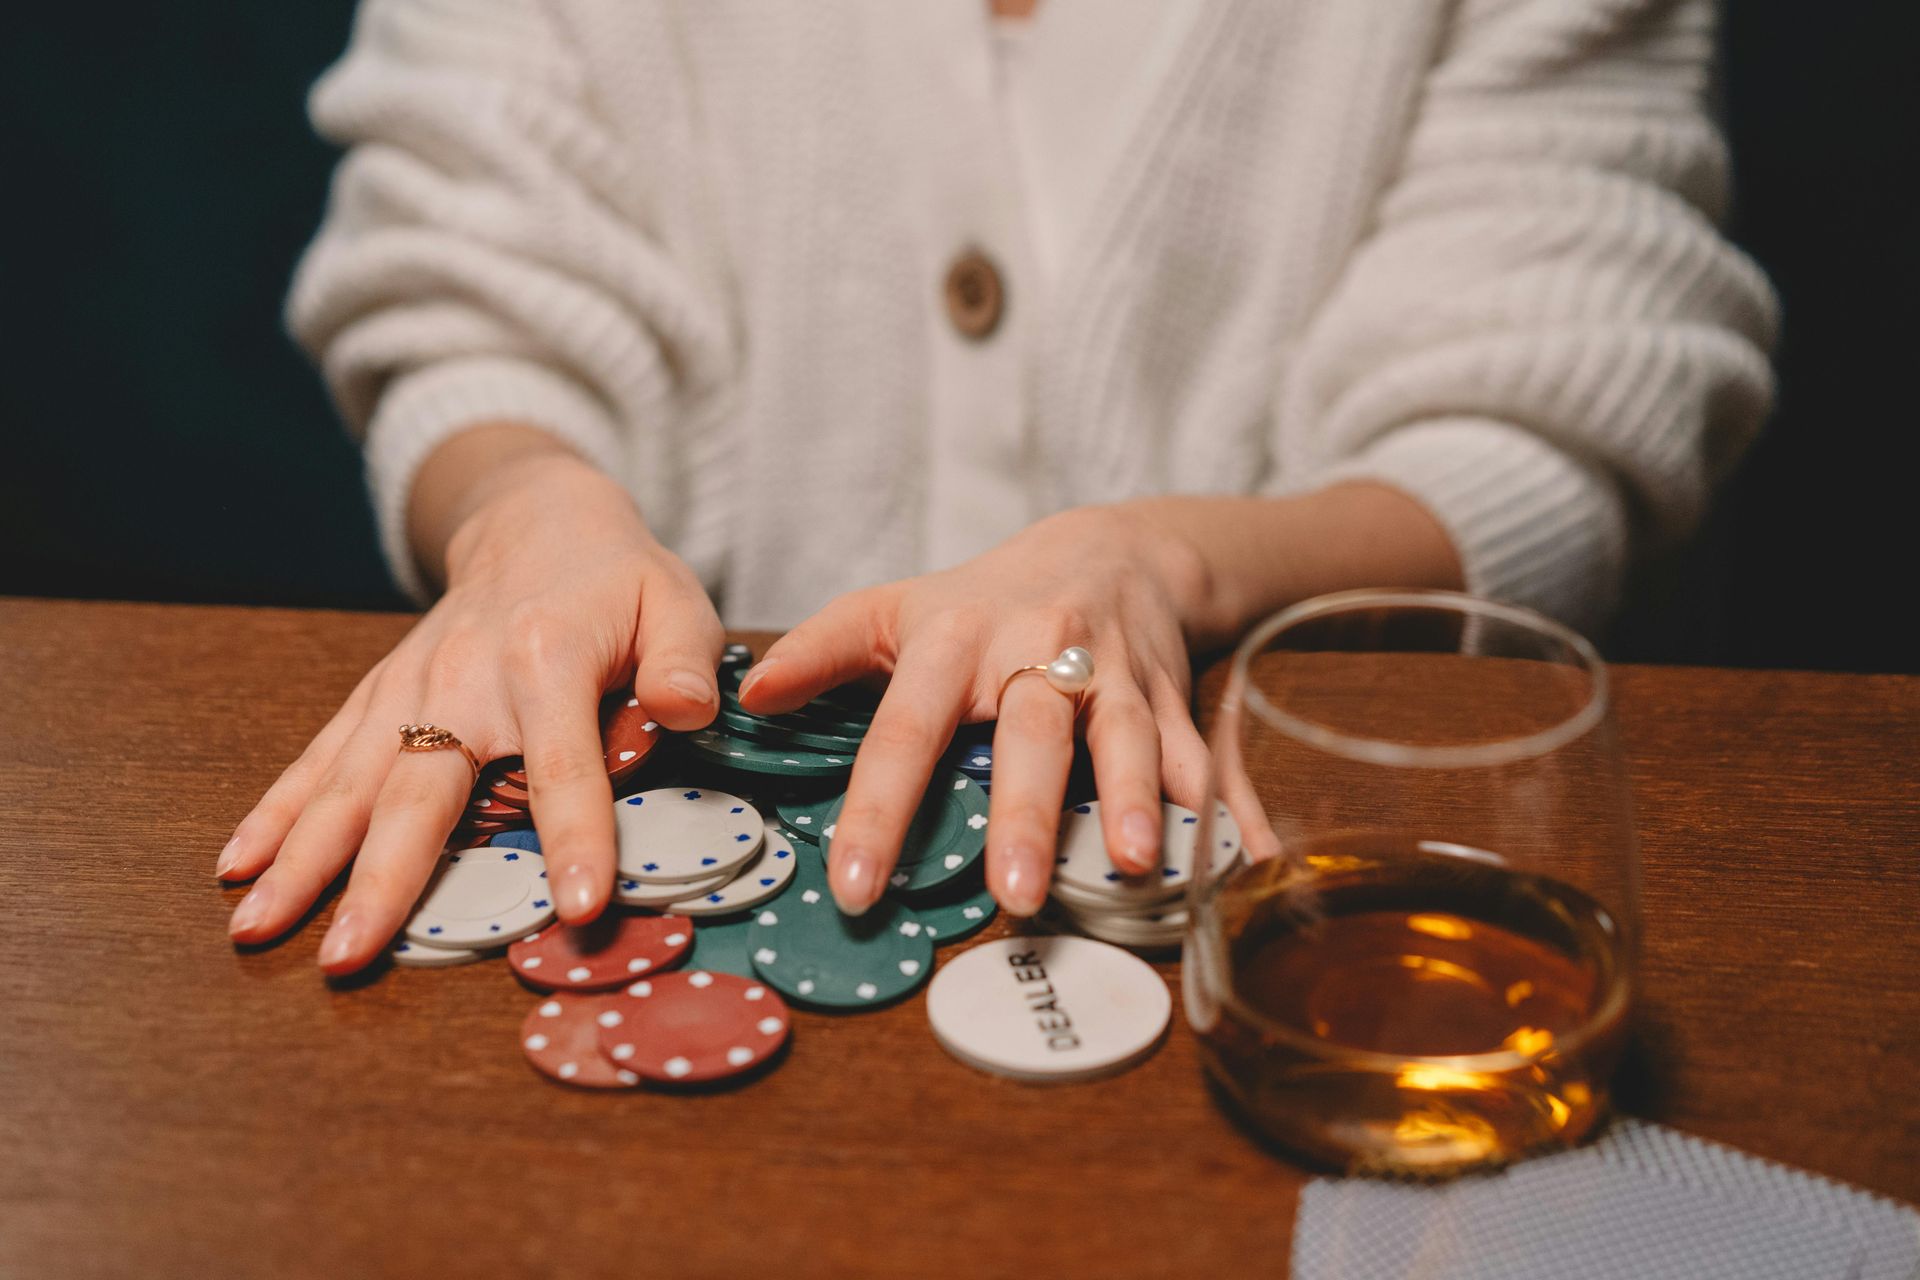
1541, 337
492, 252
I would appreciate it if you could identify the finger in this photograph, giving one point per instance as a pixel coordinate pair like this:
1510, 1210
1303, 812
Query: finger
1186, 774
678, 650
571, 799
258, 837
842, 642
909, 733
1032, 754
324, 837
418, 804
1124, 741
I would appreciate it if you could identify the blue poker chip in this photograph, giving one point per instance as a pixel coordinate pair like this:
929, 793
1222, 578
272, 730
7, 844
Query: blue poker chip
527, 839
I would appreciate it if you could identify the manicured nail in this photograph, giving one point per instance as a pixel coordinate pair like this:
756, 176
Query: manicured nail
573, 896
856, 881
251, 912
1025, 884
1142, 837
692, 686
228, 856
340, 940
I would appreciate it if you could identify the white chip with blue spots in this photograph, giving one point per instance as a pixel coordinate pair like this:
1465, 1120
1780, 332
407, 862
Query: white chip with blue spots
1081, 863
761, 879
416, 955
675, 835
484, 897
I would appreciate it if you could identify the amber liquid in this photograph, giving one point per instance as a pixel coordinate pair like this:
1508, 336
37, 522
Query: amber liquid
1396, 1010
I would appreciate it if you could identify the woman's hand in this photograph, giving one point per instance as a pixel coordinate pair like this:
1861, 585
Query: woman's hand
1117, 580
556, 592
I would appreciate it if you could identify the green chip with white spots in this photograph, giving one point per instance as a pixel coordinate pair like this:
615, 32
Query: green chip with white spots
805, 949
945, 839
955, 912
807, 816
736, 751
720, 945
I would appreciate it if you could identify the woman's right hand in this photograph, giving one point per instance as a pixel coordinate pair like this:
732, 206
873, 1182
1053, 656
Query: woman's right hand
555, 592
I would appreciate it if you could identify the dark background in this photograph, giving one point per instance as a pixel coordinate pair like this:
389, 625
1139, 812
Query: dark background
163, 439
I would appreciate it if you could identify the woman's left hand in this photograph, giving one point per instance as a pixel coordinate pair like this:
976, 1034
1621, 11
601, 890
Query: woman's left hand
1105, 578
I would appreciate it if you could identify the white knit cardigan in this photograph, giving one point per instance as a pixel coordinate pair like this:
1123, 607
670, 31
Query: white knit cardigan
1249, 246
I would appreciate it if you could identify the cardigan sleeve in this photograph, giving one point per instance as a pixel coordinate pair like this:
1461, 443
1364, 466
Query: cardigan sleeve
1541, 337
489, 252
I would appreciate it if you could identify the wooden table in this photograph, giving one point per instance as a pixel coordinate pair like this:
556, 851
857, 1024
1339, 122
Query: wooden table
169, 1106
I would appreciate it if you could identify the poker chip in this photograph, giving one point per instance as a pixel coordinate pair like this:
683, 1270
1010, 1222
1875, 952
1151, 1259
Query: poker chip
414, 955
658, 897
949, 917
799, 731
693, 1027
628, 736
805, 816
524, 838
736, 751
769, 872
946, 837
490, 826
720, 945
488, 807
1158, 932
806, 949
1049, 1008
481, 898
614, 949
561, 1038
1081, 862
679, 835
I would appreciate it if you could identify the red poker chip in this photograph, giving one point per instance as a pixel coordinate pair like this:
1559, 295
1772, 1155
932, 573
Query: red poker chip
561, 1038
690, 1028
508, 792
491, 826
615, 949
488, 808
628, 735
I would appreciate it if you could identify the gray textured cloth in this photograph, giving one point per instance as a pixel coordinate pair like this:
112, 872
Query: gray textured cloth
1643, 1202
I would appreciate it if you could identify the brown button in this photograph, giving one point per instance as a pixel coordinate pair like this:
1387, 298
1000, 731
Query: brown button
975, 296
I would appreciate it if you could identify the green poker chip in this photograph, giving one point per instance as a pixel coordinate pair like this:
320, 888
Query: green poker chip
736, 751
798, 731
946, 837
956, 912
807, 816
804, 948
720, 944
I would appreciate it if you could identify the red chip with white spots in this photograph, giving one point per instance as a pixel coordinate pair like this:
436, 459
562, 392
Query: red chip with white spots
561, 1038
628, 736
615, 949
689, 1028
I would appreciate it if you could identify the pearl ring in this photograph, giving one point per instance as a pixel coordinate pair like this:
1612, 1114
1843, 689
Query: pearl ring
1070, 673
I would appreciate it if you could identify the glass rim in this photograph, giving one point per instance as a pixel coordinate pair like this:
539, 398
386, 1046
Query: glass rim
1381, 751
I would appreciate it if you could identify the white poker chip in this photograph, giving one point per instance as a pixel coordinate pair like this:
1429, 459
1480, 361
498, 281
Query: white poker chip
483, 897
1121, 930
1081, 862
640, 893
766, 875
682, 834
416, 955
1051, 1008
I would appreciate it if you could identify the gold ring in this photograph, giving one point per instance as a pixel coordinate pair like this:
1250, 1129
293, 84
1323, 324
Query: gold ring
1070, 673
428, 737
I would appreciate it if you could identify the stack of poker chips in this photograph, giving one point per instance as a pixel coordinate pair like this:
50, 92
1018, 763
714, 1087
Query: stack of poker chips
1148, 912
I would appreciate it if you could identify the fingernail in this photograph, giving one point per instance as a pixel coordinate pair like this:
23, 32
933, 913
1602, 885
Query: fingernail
340, 939
753, 676
856, 883
1024, 884
228, 856
573, 896
1142, 837
691, 685
251, 912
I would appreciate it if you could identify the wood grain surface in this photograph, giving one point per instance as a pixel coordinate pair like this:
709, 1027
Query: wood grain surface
170, 1106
